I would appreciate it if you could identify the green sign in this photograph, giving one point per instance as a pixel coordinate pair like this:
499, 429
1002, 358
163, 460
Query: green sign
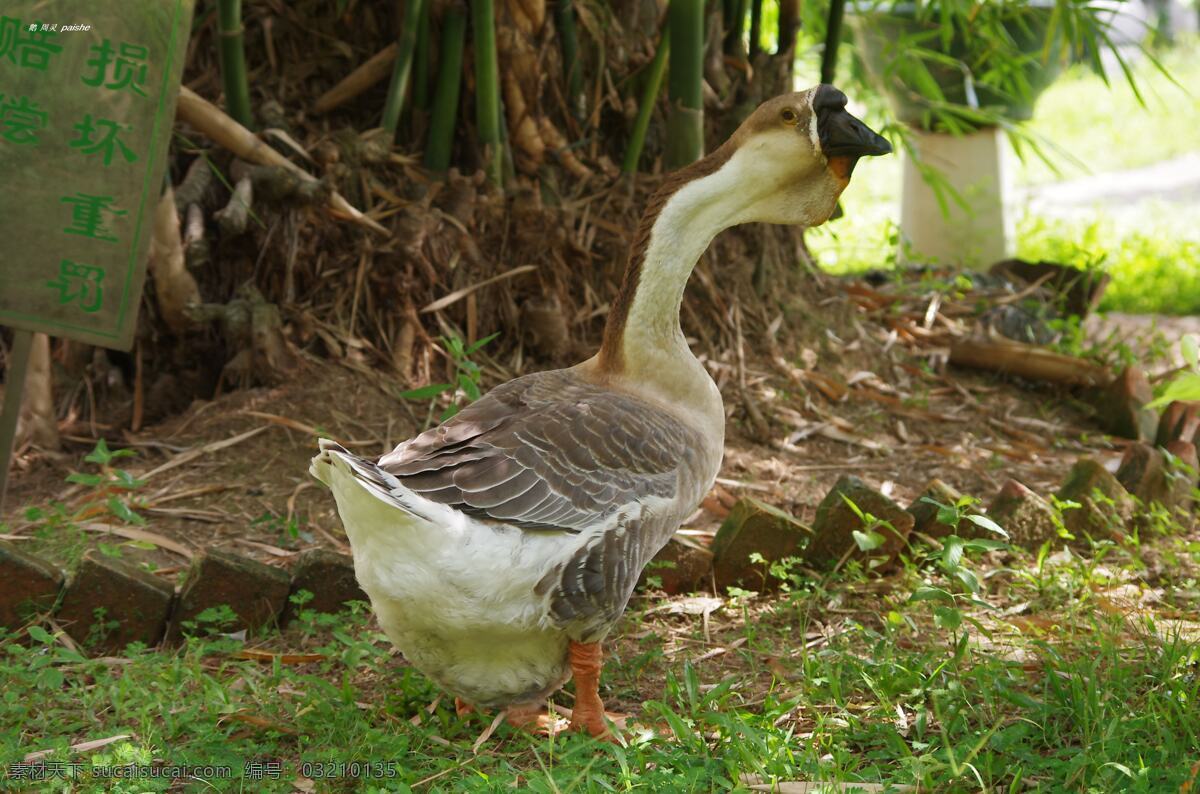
87, 103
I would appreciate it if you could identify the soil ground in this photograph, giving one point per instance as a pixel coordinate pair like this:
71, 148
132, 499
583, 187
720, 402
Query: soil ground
897, 428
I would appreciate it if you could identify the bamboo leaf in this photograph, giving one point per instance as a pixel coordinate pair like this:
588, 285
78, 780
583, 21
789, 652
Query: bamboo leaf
968, 578
469, 387
478, 344
1189, 347
426, 392
952, 553
931, 594
40, 634
947, 617
90, 480
122, 511
869, 540
564, 20
1185, 388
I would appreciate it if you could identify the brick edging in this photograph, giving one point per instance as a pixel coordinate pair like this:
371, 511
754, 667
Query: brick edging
108, 603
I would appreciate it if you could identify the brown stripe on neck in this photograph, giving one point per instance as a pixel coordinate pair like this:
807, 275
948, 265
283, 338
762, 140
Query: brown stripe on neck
611, 358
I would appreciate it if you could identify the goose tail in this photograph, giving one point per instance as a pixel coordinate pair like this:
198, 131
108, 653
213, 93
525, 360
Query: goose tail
335, 466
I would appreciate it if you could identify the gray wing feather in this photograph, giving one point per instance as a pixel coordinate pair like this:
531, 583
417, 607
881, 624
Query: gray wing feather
551, 451
589, 591
547, 451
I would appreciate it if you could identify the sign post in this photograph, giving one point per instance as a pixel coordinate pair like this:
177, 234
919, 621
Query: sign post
87, 103
14, 387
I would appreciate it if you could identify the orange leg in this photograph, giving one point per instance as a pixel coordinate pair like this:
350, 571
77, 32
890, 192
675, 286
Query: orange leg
462, 708
586, 660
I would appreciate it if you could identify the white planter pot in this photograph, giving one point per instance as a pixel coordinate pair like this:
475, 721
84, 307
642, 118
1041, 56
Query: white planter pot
975, 237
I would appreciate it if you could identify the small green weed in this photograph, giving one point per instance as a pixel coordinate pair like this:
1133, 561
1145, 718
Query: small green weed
287, 529
1185, 385
110, 494
111, 485
467, 377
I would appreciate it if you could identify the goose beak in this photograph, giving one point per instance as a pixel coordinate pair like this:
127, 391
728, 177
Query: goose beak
841, 134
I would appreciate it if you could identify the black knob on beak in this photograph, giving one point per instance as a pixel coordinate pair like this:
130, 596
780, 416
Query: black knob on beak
841, 134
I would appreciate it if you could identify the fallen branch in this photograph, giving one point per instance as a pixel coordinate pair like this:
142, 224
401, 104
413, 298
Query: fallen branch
1027, 361
459, 294
192, 454
308, 429
142, 535
254, 655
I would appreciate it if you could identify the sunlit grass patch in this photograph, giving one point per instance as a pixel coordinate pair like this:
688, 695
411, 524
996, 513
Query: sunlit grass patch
1154, 262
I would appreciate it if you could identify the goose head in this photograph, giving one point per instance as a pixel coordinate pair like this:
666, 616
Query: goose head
787, 163
792, 157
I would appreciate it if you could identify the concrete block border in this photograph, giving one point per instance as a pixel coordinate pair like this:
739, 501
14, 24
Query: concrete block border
106, 603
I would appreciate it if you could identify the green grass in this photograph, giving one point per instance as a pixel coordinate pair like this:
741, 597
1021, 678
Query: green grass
1151, 254
1067, 695
973, 668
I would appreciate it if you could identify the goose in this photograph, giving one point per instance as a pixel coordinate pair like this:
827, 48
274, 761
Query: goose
500, 548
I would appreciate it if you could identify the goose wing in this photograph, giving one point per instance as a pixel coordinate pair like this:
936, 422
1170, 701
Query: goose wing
549, 451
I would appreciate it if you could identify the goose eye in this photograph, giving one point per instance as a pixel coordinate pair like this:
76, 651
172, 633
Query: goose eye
788, 115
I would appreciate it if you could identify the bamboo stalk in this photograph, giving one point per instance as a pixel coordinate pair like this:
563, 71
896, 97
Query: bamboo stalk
789, 22
421, 64
739, 47
487, 87
735, 24
833, 38
445, 97
728, 14
233, 61
685, 122
649, 94
755, 27
402, 69
564, 21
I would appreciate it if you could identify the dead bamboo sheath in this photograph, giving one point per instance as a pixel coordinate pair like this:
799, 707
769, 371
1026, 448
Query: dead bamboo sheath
224, 131
378, 67
1027, 361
